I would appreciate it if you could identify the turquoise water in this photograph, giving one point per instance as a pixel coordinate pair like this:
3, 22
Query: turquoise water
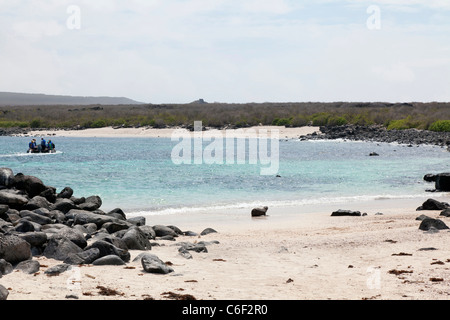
138, 175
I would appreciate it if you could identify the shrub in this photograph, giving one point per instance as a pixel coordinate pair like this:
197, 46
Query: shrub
320, 119
35, 123
336, 121
440, 126
402, 124
281, 122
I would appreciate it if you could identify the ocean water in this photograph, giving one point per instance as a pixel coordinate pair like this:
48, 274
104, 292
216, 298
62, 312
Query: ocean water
139, 176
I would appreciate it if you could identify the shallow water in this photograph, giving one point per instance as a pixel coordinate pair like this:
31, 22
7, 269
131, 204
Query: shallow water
138, 175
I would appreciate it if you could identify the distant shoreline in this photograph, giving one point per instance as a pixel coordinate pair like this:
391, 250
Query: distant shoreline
110, 132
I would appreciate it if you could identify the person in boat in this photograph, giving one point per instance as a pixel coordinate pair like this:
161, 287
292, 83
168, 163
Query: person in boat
43, 145
50, 146
32, 146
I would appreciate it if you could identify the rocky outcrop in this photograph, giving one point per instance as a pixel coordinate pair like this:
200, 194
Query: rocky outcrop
378, 133
35, 219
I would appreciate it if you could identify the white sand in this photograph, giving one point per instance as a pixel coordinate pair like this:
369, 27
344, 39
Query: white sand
294, 253
108, 132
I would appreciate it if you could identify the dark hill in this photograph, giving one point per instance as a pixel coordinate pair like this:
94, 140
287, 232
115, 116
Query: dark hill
26, 99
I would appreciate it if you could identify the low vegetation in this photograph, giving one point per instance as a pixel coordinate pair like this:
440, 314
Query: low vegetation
430, 116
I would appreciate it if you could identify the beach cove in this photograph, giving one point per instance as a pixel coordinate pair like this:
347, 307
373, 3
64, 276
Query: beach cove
298, 251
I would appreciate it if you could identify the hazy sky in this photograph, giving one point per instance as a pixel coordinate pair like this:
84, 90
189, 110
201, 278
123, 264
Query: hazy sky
177, 51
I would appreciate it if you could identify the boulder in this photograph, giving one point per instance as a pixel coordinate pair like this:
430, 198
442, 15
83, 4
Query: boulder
63, 205
92, 203
28, 266
34, 217
117, 213
107, 248
35, 239
24, 226
5, 267
116, 225
84, 217
197, 247
148, 231
176, 229
257, 212
442, 182
184, 253
445, 213
65, 193
161, 231
31, 185
5, 226
60, 249
78, 201
6, 177
12, 198
85, 257
136, 239
3, 293
14, 249
57, 270
137, 221
3, 209
110, 260
49, 194
114, 240
340, 213
73, 235
152, 264
429, 223
37, 202
432, 204
207, 231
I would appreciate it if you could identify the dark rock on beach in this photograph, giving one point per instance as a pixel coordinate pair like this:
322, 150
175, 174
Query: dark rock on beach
152, 264
207, 231
105, 248
3, 293
85, 257
14, 249
162, 231
5, 267
57, 270
257, 212
432, 204
340, 213
28, 266
60, 249
445, 213
429, 223
109, 260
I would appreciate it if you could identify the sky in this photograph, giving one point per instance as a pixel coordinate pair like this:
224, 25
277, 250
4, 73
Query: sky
233, 51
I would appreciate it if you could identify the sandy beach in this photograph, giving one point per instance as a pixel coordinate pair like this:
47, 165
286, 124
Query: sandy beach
109, 132
291, 254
